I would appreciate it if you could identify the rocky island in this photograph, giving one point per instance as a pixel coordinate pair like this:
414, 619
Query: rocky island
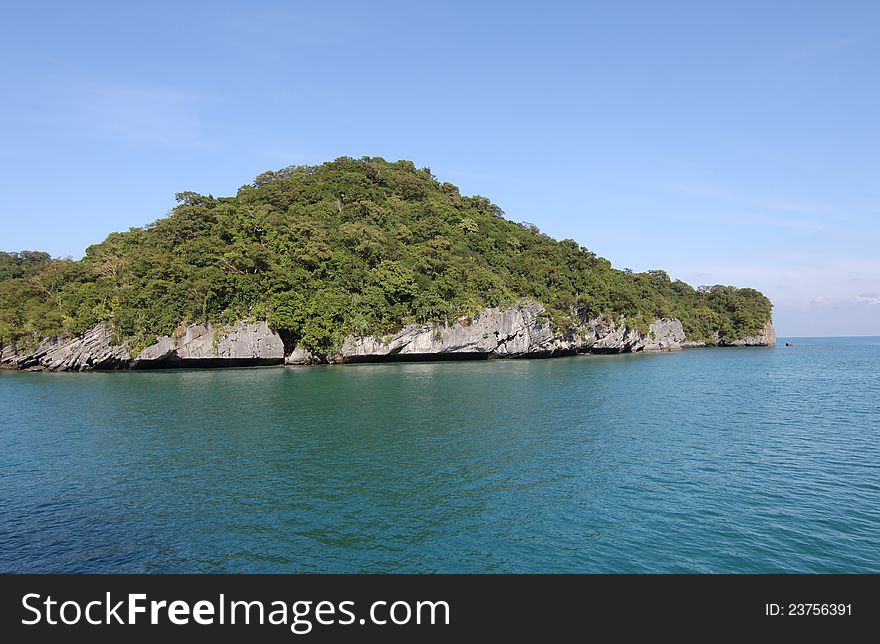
355, 260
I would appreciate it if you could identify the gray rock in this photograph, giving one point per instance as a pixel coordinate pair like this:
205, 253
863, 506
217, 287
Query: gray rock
301, 355
513, 332
767, 338
93, 349
665, 334
516, 331
242, 343
502, 332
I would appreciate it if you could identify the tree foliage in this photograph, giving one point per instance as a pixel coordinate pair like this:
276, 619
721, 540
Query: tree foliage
350, 246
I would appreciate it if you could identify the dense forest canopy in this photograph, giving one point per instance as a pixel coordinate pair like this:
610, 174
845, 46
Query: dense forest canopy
350, 246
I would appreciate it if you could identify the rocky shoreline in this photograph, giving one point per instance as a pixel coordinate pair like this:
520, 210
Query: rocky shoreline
520, 331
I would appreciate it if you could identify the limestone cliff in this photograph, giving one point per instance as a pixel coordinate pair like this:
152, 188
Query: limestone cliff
93, 349
207, 345
196, 345
512, 332
517, 331
766, 339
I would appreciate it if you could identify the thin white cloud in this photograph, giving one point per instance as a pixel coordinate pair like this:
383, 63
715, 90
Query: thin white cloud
869, 298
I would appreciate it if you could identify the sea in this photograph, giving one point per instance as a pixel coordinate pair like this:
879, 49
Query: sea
733, 460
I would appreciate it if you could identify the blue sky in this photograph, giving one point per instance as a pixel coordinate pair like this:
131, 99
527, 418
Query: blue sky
735, 143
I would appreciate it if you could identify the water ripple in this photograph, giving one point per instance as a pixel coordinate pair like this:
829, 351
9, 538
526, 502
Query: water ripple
753, 460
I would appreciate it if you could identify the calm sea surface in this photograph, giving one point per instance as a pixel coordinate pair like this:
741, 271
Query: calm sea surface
710, 460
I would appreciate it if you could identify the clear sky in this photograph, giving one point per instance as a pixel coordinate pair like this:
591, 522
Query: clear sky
727, 142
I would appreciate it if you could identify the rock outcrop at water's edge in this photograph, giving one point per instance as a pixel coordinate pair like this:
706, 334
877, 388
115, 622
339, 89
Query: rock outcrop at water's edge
766, 339
246, 343
93, 349
516, 331
509, 333
196, 345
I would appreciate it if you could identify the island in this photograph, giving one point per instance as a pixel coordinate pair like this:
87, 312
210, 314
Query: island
354, 260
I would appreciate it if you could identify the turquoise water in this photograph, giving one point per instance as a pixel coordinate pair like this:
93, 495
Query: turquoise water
710, 460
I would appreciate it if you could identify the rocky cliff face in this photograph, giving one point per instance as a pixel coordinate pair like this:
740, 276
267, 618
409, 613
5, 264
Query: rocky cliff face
196, 345
767, 338
93, 349
509, 333
517, 331
207, 345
